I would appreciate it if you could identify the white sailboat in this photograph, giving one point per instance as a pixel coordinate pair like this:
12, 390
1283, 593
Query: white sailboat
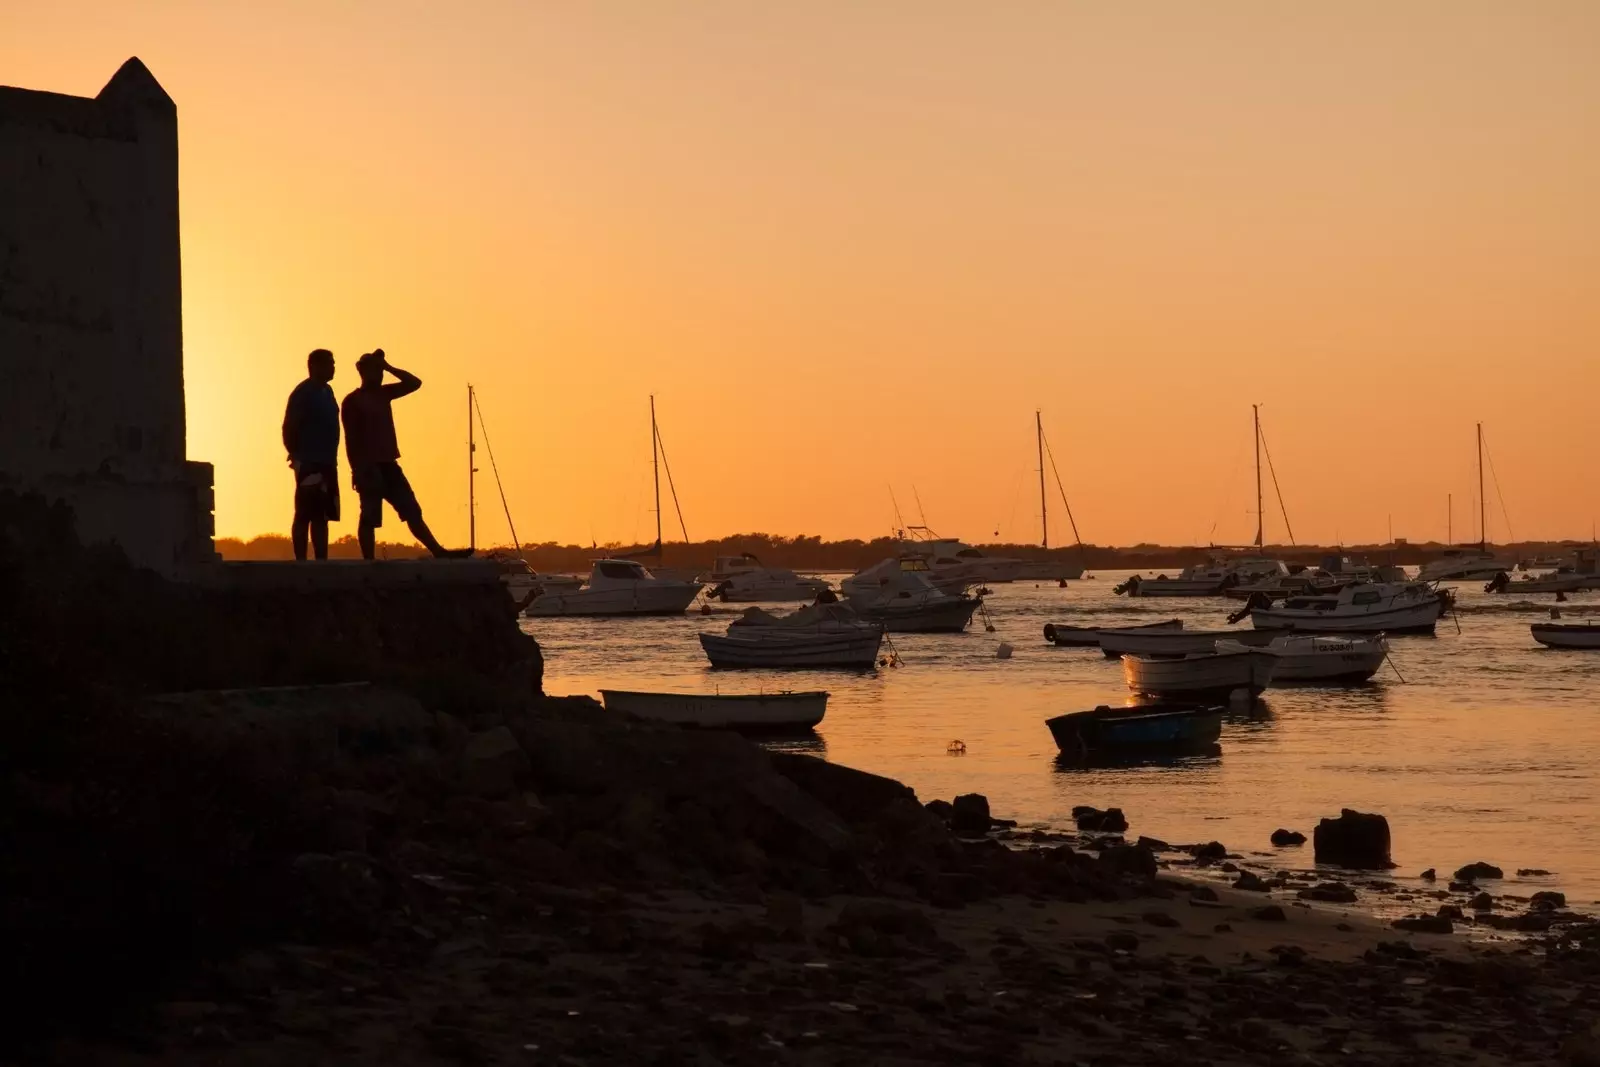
1050, 570
623, 586
1468, 563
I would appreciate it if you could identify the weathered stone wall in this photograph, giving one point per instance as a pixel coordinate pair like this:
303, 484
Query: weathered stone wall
91, 330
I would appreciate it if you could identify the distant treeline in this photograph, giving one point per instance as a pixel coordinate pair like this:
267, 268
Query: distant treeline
806, 553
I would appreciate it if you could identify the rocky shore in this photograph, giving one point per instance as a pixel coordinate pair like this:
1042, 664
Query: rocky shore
415, 868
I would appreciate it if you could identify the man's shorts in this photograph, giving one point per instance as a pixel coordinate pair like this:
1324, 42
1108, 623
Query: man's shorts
316, 493
381, 482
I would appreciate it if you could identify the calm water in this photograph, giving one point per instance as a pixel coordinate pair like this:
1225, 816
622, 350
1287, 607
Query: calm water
1487, 750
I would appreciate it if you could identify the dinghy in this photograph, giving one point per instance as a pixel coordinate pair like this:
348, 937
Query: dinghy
1200, 672
617, 587
1089, 636
1174, 642
1308, 659
1566, 635
1146, 726
730, 711
1373, 608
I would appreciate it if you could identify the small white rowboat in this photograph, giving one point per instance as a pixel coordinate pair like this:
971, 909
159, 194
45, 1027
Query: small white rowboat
732, 711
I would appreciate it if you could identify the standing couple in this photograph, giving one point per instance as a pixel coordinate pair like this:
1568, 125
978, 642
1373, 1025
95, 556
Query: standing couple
311, 436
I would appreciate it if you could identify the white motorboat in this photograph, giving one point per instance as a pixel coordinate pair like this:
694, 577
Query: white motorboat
1463, 565
730, 711
910, 603
1547, 582
725, 567
1344, 570
1212, 578
1175, 642
950, 558
880, 576
767, 585
818, 635
1377, 607
1199, 672
523, 581
1068, 636
617, 587
1308, 658
1566, 635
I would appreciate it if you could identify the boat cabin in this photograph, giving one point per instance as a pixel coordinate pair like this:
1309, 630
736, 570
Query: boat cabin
619, 570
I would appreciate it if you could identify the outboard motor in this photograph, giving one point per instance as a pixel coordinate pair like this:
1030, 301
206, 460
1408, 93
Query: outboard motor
1257, 600
1131, 587
1498, 583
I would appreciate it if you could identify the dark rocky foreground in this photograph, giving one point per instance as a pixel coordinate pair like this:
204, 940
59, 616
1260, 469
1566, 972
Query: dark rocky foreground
432, 864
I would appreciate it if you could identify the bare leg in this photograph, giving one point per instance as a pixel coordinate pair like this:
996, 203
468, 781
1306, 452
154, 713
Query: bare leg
368, 536
297, 535
420, 531
319, 538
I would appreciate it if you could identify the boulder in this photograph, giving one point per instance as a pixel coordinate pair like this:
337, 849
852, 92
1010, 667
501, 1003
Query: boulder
1451, 911
491, 763
1472, 872
1355, 839
1269, 914
1481, 902
1209, 852
1109, 821
1250, 883
1287, 838
855, 796
1425, 924
1532, 872
1125, 861
1429, 875
969, 814
940, 809
1549, 899
1331, 892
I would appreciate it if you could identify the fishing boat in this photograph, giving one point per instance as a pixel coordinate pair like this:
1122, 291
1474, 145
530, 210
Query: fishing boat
1566, 635
910, 603
1378, 607
1199, 672
1468, 563
723, 711
1089, 636
767, 585
1306, 658
1145, 726
818, 635
617, 587
1173, 642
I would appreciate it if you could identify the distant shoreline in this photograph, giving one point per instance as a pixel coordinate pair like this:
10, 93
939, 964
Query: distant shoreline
814, 554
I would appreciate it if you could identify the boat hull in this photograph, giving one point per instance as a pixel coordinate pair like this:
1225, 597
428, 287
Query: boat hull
1553, 635
770, 592
1089, 636
1214, 673
825, 649
1322, 660
643, 598
1146, 727
1174, 642
750, 712
1178, 587
939, 617
1411, 618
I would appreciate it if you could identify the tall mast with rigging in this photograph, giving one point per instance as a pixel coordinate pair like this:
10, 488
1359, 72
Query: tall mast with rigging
1483, 529
1044, 508
1255, 414
472, 470
655, 470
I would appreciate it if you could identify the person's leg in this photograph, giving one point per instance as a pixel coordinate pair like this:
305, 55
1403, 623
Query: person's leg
297, 535
367, 535
397, 490
370, 489
319, 539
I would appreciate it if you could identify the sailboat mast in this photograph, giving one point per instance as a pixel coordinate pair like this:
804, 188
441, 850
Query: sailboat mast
1483, 527
1449, 517
1044, 509
655, 467
472, 471
1255, 415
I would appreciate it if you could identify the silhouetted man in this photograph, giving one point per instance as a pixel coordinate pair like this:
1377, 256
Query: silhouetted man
374, 452
311, 437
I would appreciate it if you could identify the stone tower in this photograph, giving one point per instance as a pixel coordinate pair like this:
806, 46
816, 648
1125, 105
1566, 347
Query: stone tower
91, 317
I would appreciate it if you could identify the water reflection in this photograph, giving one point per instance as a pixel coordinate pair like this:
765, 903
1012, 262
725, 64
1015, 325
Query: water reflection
809, 743
1190, 756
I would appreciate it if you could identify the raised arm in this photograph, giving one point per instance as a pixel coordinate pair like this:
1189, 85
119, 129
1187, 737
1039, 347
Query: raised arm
406, 383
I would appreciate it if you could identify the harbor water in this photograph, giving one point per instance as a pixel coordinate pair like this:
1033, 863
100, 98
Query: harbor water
1477, 744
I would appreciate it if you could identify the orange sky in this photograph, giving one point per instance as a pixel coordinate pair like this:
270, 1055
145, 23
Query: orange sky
852, 245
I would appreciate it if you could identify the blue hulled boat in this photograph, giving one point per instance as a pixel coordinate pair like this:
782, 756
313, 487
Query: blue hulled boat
1146, 726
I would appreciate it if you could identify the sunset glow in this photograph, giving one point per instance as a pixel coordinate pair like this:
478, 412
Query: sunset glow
851, 249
